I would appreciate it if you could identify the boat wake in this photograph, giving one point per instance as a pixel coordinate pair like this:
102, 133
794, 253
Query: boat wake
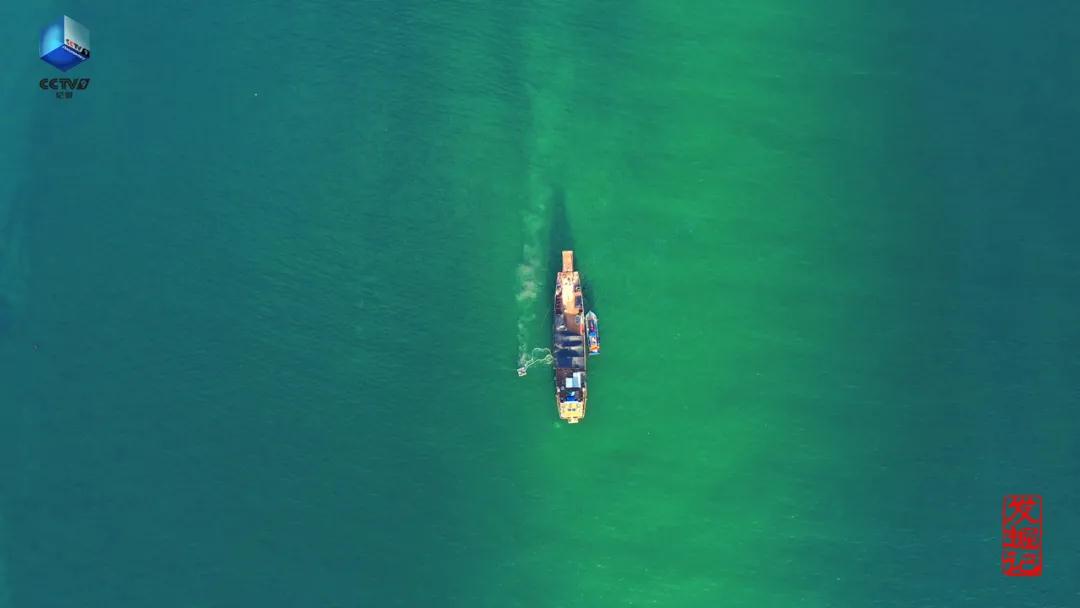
549, 82
528, 289
529, 281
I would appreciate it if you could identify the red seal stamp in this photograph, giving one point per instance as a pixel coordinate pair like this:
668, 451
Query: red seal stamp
1022, 531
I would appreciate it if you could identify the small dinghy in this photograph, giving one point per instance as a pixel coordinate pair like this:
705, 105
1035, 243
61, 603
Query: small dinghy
592, 331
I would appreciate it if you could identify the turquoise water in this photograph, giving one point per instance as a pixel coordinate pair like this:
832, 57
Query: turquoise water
264, 285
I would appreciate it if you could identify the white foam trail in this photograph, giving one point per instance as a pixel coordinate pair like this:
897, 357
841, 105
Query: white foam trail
529, 286
550, 79
529, 280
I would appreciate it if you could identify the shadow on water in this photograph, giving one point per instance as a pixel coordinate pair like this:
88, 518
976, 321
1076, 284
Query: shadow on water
562, 238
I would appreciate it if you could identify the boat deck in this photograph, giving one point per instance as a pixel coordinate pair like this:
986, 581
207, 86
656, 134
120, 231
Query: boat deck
569, 342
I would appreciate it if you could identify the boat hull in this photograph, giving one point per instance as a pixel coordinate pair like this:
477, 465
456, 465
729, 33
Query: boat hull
569, 343
592, 333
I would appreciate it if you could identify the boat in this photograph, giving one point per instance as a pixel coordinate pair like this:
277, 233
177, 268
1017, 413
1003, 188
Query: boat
592, 332
568, 340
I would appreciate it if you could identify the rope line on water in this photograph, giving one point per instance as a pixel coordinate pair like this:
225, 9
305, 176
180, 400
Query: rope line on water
537, 356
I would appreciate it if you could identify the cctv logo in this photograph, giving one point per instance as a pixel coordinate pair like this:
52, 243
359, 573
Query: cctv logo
65, 84
65, 43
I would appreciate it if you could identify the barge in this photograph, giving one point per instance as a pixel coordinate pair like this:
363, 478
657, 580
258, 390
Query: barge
569, 342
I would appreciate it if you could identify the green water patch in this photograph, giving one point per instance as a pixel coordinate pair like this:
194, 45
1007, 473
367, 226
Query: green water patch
698, 172
270, 354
